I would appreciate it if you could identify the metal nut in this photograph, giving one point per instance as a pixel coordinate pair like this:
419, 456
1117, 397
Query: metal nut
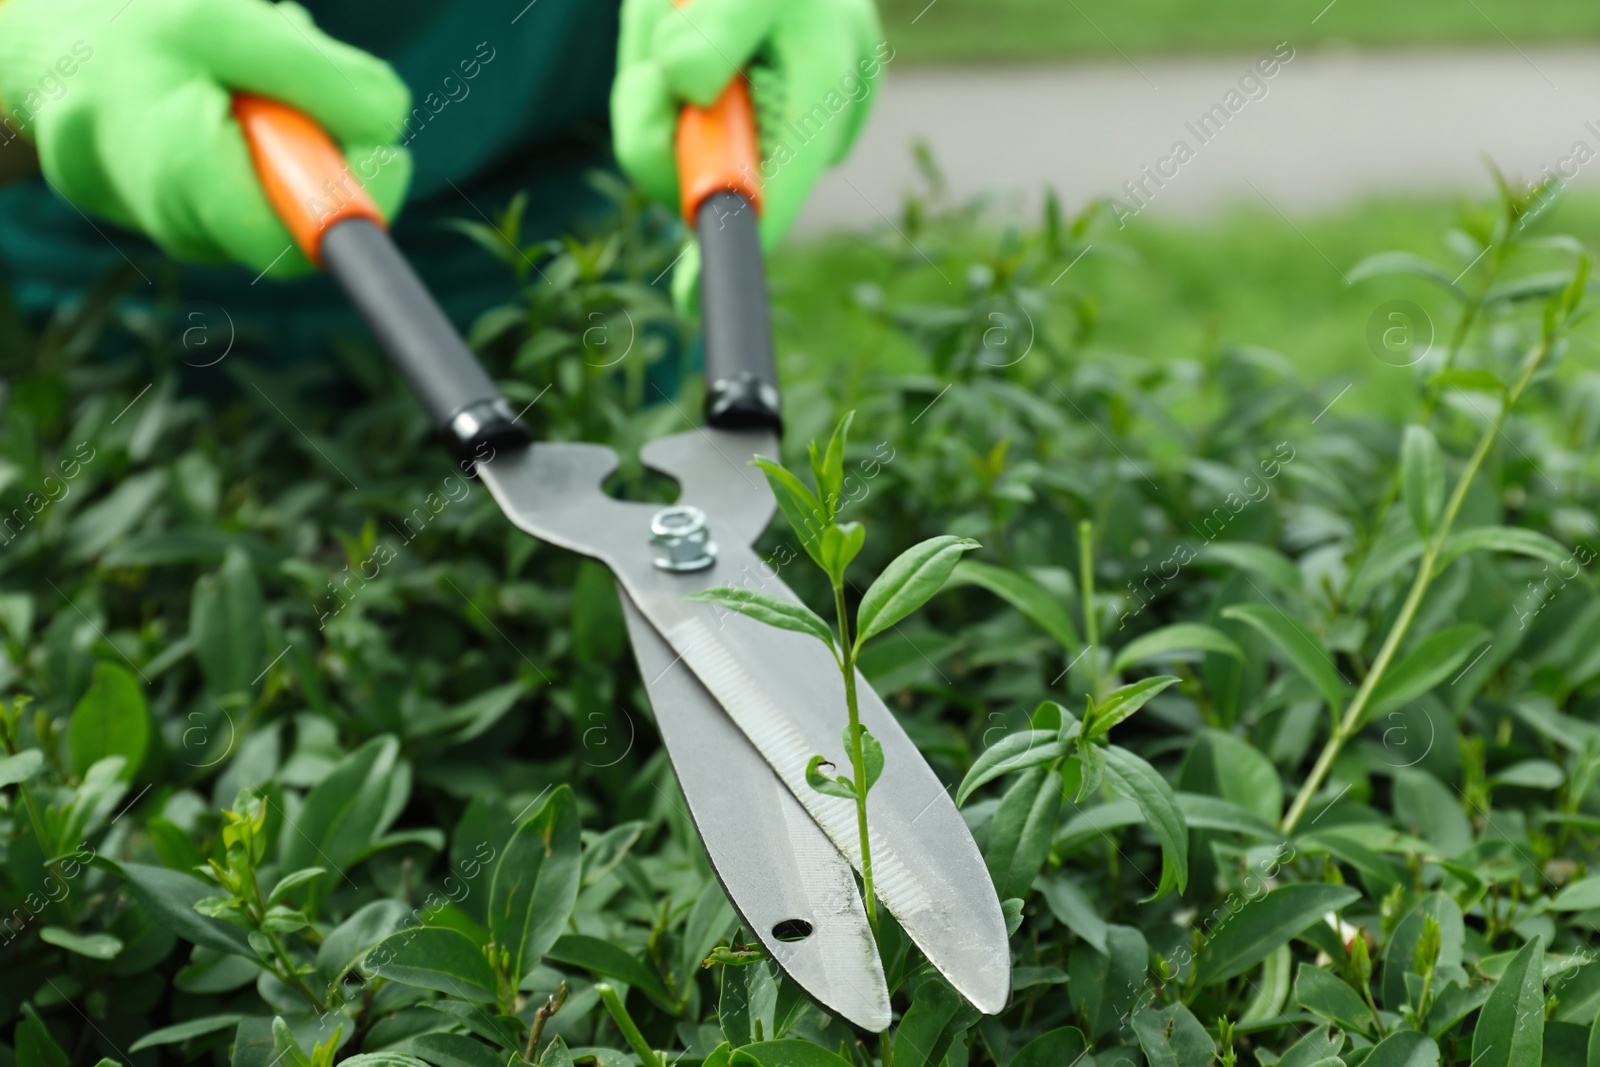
680, 539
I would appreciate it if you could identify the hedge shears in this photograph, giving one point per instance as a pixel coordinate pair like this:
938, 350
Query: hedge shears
741, 707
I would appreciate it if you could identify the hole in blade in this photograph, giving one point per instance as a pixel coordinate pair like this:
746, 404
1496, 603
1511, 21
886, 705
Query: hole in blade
792, 930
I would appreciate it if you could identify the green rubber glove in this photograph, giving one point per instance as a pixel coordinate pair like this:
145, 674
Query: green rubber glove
128, 103
812, 64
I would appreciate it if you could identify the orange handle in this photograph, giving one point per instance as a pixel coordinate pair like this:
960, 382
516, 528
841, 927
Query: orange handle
305, 176
718, 149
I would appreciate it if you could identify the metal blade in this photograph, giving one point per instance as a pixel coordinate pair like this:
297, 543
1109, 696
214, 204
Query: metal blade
782, 689
775, 864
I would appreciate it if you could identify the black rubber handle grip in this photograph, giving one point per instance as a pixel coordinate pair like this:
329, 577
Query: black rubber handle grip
443, 373
741, 374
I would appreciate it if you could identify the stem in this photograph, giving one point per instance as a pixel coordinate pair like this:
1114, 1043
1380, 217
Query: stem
1430, 401
624, 1021
1372, 1006
1355, 713
858, 760
291, 976
1422, 1001
1091, 623
551, 1005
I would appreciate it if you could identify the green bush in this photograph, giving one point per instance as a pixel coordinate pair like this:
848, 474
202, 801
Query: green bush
311, 758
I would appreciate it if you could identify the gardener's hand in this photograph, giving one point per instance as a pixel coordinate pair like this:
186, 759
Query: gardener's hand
128, 103
812, 66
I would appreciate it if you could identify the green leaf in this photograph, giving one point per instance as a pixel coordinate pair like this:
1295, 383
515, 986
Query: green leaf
1421, 477
172, 1035
733, 1005
1230, 767
828, 468
1530, 774
1022, 829
787, 1053
112, 719
1172, 1037
1528, 287
1320, 992
1400, 953
344, 946
35, 1046
16, 615
1269, 563
226, 620
838, 786
1470, 381
908, 582
1269, 993
1383, 264
471, 717
452, 1050
1024, 594
1125, 701
841, 543
1137, 780
1169, 641
100, 524
556, 1054
1073, 908
1427, 807
1453, 1004
605, 959
1298, 645
806, 515
922, 1036
1260, 925
1347, 845
1513, 539
1014, 752
871, 754
290, 881
21, 767
434, 957
1106, 986
1435, 659
1404, 1048
382, 1059
536, 882
1581, 895
345, 814
94, 946
1054, 1048
765, 607
1510, 1030
1089, 767
170, 897
103, 786
1315, 1049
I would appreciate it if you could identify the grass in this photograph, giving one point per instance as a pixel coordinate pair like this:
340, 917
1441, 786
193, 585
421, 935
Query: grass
971, 31
1181, 290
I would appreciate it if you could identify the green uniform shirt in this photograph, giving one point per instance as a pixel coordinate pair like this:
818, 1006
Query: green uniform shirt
507, 95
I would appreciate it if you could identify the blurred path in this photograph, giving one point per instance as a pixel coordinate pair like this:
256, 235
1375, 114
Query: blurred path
1324, 129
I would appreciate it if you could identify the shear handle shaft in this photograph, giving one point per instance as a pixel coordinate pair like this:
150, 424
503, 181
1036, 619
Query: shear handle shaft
338, 227
719, 161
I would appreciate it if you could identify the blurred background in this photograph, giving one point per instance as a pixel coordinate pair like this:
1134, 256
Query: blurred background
1374, 97
1246, 156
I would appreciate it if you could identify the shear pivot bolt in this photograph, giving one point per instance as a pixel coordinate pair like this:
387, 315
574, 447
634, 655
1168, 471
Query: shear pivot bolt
680, 539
